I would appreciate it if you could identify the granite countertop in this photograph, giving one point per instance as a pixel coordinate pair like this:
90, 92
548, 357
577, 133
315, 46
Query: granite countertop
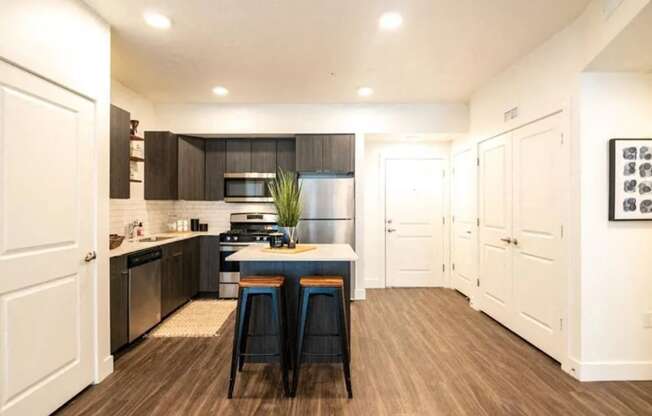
132, 246
322, 252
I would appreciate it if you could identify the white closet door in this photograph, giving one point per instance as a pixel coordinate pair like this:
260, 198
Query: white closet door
414, 210
463, 250
537, 230
495, 213
47, 223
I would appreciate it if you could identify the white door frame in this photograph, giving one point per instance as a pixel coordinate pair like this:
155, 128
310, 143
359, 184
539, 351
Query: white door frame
445, 212
564, 112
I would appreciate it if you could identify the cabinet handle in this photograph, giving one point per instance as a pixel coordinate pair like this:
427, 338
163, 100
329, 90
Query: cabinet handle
506, 240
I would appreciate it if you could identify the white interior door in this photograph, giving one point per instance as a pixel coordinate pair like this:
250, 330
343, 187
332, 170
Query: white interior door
463, 213
537, 250
495, 213
414, 213
46, 228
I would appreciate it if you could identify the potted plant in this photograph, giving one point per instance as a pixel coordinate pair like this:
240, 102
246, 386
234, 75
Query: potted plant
286, 192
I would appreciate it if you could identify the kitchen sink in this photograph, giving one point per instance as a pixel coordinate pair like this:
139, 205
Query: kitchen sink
154, 239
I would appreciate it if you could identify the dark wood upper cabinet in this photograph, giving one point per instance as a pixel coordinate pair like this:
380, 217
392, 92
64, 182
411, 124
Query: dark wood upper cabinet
238, 155
191, 168
263, 155
285, 155
120, 151
309, 152
332, 153
119, 302
162, 165
215, 169
339, 153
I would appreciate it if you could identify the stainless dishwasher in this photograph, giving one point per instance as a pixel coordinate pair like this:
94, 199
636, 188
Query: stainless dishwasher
144, 291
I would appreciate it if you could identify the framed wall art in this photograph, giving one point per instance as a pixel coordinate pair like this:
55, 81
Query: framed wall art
630, 179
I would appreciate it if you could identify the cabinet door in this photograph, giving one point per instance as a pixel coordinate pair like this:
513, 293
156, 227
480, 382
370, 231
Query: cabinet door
209, 261
309, 152
338, 153
161, 165
285, 155
172, 287
120, 151
215, 169
191, 168
238, 155
190, 268
119, 302
263, 155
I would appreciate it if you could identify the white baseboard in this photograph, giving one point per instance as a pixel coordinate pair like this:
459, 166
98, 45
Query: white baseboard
105, 369
373, 284
610, 370
360, 294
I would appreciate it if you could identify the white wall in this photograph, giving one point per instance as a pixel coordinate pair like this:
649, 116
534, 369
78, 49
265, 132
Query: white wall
616, 286
543, 82
377, 149
306, 118
65, 42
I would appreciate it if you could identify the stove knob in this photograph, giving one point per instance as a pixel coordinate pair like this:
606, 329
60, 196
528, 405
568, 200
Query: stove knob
235, 238
257, 238
227, 238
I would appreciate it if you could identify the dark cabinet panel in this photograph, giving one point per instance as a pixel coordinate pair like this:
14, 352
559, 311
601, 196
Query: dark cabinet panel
172, 285
238, 155
309, 152
338, 153
120, 151
161, 165
119, 302
285, 155
215, 169
191, 168
190, 267
263, 155
209, 264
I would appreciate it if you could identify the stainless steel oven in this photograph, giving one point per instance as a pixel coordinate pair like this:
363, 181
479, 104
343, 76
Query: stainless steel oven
229, 270
247, 187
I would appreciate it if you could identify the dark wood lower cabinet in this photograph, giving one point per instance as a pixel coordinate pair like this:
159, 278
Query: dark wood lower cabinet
191, 256
119, 302
172, 286
209, 263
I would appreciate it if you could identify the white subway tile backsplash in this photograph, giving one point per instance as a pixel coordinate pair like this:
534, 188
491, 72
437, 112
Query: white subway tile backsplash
156, 214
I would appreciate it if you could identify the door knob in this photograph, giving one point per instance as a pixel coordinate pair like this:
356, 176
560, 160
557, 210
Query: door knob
391, 230
506, 240
515, 242
389, 221
90, 256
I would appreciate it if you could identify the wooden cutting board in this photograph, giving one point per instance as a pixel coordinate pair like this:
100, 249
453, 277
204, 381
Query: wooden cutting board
300, 248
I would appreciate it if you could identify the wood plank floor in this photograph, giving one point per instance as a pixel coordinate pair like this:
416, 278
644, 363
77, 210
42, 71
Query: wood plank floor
415, 352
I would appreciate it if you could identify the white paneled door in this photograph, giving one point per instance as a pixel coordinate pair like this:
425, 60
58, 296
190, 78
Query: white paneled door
47, 219
463, 273
413, 215
520, 209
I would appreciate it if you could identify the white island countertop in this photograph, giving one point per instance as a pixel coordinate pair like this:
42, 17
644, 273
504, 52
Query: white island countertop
322, 252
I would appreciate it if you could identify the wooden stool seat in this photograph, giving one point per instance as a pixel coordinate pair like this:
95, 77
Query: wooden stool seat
321, 281
262, 281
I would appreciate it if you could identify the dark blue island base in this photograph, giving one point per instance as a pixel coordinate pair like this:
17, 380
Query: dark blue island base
322, 314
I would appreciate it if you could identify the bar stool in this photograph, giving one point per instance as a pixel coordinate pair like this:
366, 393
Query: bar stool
249, 288
331, 286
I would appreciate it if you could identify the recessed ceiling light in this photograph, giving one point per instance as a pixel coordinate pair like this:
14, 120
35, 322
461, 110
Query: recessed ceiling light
365, 91
157, 20
221, 91
390, 21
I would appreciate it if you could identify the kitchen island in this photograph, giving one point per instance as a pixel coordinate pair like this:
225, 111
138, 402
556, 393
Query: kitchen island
324, 260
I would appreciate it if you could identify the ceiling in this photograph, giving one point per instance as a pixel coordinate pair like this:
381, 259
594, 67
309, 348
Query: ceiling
321, 51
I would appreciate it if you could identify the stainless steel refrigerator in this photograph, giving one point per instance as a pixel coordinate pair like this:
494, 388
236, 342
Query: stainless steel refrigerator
328, 210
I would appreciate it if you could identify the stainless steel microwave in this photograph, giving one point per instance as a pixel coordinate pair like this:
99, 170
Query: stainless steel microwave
247, 187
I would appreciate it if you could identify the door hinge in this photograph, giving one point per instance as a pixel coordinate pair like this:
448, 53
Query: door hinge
443, 220
562, 138
561, 324
453, 218
453, 266
562, 231
443, 173
478, 222
477, 161
443, 267
477, 282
